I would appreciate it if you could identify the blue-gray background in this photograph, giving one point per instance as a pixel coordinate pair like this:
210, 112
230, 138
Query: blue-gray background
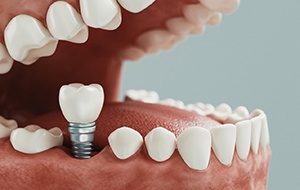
251, 59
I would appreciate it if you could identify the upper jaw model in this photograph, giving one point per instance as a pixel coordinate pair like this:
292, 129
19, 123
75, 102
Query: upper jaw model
141, 143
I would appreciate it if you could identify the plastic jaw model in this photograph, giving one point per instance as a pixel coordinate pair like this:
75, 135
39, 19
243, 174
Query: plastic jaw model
140, 143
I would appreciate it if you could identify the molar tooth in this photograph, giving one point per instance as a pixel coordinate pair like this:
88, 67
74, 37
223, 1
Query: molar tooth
206, 108
131, 53
215, 19
135, 6
179, 26
125, 142
264, 136
99, 14
27, 39
224, 6
173, 103
194, 146
239, 114
6, 61
255, 133
33, 139
223, 142
6, 127
64, 23
143, 96
243, 138
222, 112
197, 14
194, 108
160, 144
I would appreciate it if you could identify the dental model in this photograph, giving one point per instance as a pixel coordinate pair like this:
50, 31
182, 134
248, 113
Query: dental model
81, 106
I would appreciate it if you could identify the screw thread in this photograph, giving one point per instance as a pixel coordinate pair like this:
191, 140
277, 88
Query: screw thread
82, 150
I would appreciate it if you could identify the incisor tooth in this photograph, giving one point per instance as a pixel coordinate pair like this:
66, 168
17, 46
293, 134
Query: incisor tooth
33, 139
224, 6
223, 142
135, 6
64, 23
255, 133
197, 14
27, 39
243, 138
125, 142
160, 144
6, 61
6, 127
194, 146
264, 136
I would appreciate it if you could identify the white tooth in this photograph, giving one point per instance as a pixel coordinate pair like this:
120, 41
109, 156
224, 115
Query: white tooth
206, 108
194, 146
131, 53
179, 26
224, 6
125, 142
192, 107
197, 14
135, 6
215, 19
222, 112
264, 136
136, 95
198, 30
223, 142
168, 102
80, 103
64, 23
255, 133
6, 127
151, 97
154, 40
27, 39
33, 139
243, 138
6, 61
99, 14
160, 144
239, 114
115, 23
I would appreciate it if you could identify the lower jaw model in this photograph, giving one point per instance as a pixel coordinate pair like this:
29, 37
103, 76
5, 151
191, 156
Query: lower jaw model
141, 143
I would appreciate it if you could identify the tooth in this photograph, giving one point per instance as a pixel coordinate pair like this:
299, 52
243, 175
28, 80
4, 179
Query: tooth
239, 114
192, 107
197, 14
64, 23
115, 23
255, 133
153, 40
223, 142
222, 112
131, 53
224, 6
6, 127
143, 96
33, 139
243, 138
99, 14
6, 61
160, 144
27, 39
206, 108
135, 6
125, 142
194, 145
179, 26
264, 136
150, 97
89, 101
198, 30
215, 19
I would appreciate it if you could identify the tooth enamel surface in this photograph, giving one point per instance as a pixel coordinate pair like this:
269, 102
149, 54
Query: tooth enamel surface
206, 108
173, 103
131, 53
223, 142
179, 26
160, 144
64, 23
197, 14
243, 138
33, 139
27, 39
224, 6
135, 6
6, 127
143, 96
239, 114
222, 112
264, 136
192, 107
115, 23
98, 14
255, 133
125, 142
6, 61
194, 146
215, 19
80, 103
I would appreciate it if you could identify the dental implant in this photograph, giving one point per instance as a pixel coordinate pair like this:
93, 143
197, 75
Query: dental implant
81, 106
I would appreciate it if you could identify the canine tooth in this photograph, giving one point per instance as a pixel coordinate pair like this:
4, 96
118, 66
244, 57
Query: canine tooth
243, 138
6, 127
124, 142
179, 26
27, 39
264, 136
255, 133
223, 142
98, 14
194, 146
215, 19
153, 40
33, 139
6, 61
64, 23
160, 144
222, 112
131, 53
80, 103
135, 6
224, 6
206, 108
239, 114
197, 14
